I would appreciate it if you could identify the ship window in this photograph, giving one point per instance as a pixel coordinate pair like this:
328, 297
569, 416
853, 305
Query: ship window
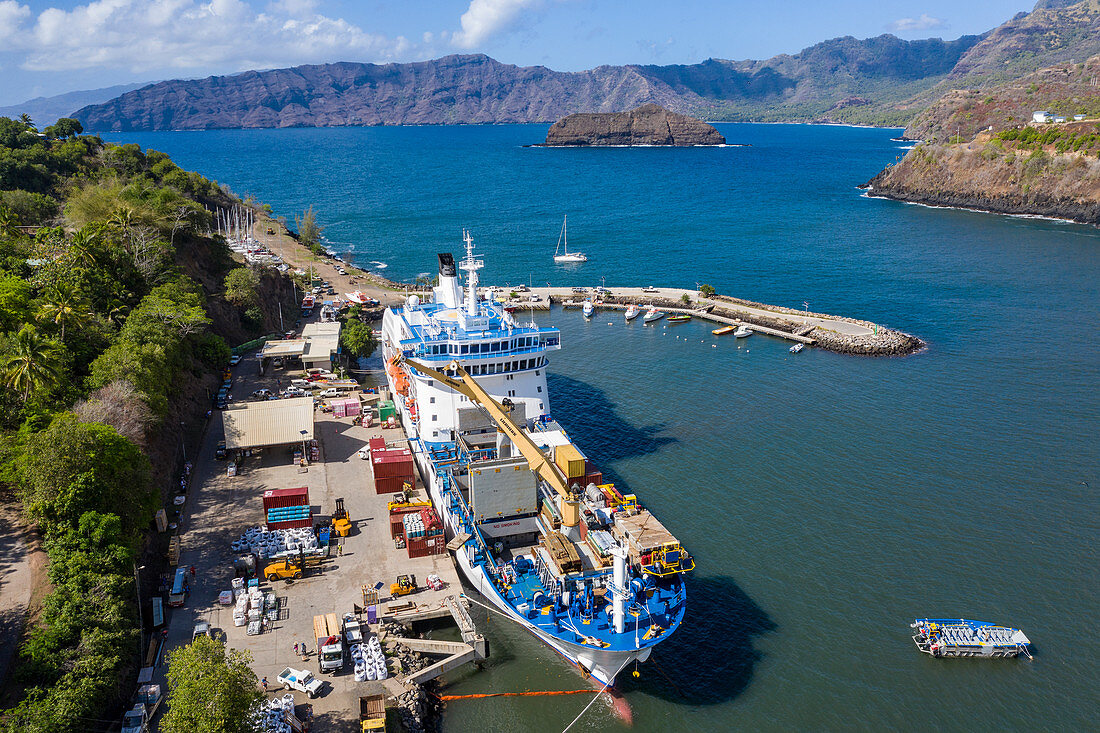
465, 349
431, 382
482, 348
492, 368
431, 400
540, 389
540, 406
495, 346
537, 371
434, 417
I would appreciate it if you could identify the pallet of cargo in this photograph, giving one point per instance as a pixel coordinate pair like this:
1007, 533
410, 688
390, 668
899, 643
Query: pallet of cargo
174, 550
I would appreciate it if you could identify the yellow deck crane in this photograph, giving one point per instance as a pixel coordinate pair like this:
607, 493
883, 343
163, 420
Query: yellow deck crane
539, 462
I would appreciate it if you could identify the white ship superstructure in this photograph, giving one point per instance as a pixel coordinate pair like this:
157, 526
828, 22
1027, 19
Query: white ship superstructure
579, 564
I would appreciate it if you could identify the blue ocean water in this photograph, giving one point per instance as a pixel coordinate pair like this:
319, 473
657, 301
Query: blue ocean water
828, 499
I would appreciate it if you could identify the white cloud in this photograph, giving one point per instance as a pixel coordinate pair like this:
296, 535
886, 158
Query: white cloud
924, 23
484, 18
146, 35
12, 15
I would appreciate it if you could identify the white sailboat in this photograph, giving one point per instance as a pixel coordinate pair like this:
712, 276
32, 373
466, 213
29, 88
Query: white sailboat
563, 239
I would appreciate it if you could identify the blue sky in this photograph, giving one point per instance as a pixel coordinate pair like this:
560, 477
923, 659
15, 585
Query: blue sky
52, 46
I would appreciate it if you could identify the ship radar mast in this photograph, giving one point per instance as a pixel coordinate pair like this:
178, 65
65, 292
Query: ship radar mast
471, 266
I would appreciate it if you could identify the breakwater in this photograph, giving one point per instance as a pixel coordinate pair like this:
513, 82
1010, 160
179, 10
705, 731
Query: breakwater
833, 333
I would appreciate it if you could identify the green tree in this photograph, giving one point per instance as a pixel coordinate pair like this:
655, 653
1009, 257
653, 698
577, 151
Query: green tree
210, 690
15, 298
685, 299
64, 128
309, 231
64, 307
32, 363
357, 338
74, 467
707, 290
241, 286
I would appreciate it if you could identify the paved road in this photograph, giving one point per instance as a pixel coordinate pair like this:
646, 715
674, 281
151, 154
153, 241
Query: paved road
17, 576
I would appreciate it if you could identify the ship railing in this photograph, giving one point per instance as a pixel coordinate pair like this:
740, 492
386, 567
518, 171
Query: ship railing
451, 493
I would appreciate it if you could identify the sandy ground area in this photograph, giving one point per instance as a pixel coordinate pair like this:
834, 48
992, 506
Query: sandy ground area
22, 570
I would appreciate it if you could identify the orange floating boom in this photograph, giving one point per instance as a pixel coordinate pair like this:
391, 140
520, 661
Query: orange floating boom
514, 694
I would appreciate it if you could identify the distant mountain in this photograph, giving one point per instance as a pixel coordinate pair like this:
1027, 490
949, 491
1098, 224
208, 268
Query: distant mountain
826, 81
882, 80
46, 110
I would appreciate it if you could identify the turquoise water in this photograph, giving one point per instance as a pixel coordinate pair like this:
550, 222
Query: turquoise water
828, 500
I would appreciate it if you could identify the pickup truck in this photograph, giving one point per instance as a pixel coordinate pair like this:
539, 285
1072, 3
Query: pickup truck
301, 680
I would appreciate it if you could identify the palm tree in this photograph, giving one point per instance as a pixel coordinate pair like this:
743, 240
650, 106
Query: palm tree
32, 362
63, 306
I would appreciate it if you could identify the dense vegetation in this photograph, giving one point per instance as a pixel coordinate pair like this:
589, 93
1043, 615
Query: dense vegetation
1063, 139
213, 690
99, 327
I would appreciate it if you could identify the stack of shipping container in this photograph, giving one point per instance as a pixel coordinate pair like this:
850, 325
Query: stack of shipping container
287, 508
393, 468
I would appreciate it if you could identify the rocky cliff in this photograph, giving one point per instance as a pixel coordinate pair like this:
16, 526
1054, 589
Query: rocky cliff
649, 124
1003, 176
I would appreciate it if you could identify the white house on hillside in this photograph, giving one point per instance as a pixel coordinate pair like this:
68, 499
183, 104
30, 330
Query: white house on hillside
1042, 117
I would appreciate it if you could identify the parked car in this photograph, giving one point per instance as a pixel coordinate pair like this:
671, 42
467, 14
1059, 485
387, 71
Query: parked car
202, 628
535, 297
299, 679
294, 392
327, 393
520, 288
261, 394
601, 289
650, 289
221, 453
580, 290
234, 360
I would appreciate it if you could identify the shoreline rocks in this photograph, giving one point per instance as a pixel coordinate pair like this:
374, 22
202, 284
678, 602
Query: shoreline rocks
649, 124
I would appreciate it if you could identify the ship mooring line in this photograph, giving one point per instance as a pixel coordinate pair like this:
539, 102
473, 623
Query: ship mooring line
597, 697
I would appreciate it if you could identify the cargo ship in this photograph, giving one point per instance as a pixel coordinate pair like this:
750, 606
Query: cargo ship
535, 529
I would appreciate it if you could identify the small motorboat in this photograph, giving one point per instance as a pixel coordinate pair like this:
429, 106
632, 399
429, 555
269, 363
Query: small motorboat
724, 330
652, 315
357, 297
588, 309
633, 312
797, 348
742, 331
680, 318
949, 637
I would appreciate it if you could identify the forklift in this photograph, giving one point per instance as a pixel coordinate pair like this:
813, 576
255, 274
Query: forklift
341, 522
288, 568
405, 585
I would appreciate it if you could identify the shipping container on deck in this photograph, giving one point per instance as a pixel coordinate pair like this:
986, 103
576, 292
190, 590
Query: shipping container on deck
425, 546
377, 443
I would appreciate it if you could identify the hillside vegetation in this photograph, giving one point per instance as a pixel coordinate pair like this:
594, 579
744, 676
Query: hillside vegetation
111, 314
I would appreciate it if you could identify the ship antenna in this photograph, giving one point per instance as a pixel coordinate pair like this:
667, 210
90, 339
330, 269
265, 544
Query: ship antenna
471, 266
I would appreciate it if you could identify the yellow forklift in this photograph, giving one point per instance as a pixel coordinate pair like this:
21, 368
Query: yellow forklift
341, 522
405, 585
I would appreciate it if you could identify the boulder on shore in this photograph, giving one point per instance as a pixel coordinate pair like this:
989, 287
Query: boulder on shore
649, 124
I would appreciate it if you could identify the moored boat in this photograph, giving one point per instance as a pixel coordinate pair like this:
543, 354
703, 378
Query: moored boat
797, 348
652, 315
533, 525
724, 330
679, 318
563, 239
633, 312
742, 331
949, 637
588, 309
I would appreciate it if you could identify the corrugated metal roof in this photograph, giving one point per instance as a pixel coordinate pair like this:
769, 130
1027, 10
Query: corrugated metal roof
285, 347
273, 422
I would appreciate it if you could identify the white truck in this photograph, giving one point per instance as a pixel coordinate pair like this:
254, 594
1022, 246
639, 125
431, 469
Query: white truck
301, 680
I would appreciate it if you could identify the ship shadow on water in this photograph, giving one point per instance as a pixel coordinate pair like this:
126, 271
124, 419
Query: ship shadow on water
711, 657
591, 420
